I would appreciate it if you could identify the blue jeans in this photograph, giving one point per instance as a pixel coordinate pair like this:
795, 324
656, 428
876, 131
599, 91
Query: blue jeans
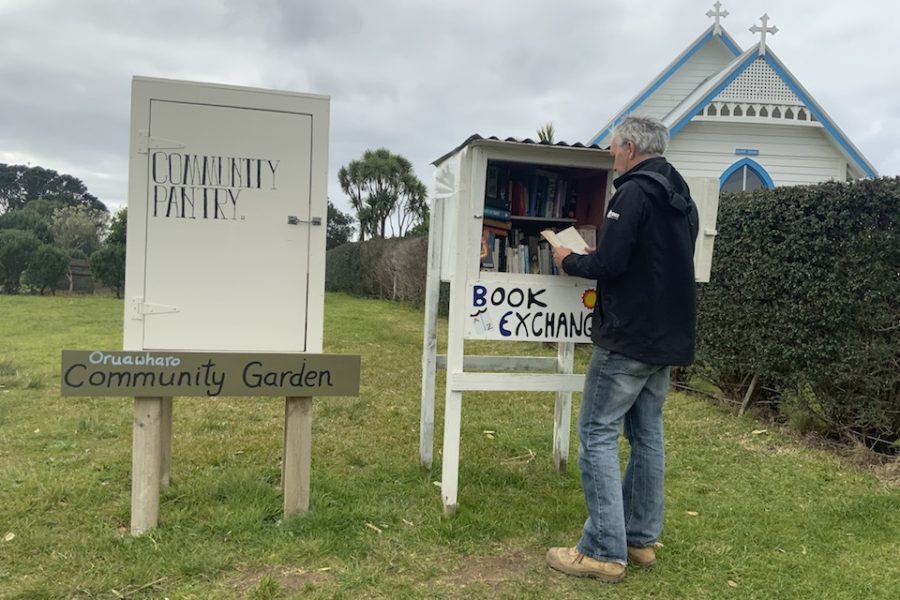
621, 513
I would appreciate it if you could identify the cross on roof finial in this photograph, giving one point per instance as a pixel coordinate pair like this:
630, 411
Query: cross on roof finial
764, 30
717, 14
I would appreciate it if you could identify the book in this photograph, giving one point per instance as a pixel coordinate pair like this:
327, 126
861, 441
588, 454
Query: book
499, 214
589, 233
567, 238
487, 249
496, 223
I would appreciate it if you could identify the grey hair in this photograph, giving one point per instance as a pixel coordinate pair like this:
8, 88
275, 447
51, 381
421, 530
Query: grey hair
648, 135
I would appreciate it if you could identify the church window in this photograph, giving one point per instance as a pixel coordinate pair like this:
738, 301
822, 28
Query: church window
744, 176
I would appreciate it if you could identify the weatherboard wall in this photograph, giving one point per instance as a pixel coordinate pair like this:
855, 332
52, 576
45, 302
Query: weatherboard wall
711, 59
790, 154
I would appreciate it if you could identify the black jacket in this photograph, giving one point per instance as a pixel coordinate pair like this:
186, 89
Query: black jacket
644, 268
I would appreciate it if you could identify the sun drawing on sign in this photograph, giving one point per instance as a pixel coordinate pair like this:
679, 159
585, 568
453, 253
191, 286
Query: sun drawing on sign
589, 298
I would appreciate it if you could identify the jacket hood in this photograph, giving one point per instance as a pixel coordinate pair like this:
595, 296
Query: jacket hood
676, 198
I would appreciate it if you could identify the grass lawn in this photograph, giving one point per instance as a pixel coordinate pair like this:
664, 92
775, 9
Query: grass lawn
750, 513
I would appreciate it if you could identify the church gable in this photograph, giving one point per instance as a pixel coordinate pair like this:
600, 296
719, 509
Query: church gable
752, 93
758, 88
706, 56
732, 103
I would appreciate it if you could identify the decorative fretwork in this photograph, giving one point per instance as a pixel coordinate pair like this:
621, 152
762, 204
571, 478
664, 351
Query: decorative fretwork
775, 112
759, 83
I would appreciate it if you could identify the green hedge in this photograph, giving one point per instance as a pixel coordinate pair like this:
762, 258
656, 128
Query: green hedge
805, 293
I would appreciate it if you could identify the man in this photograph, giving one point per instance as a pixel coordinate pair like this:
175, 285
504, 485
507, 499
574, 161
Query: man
643, 323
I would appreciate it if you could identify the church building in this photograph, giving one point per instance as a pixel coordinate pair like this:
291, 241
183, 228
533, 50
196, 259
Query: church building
742, 117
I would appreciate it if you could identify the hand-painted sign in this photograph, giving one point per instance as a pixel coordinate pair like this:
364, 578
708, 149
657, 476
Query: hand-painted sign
530, 312
193, 186
103, 373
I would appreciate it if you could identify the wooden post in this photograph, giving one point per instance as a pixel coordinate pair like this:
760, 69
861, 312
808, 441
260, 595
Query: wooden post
145, 464
450, 464
165, 443
295, 467
429, 344
562, 413
748, 395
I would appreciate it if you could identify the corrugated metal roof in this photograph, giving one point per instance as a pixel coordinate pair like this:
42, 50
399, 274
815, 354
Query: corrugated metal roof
512, 140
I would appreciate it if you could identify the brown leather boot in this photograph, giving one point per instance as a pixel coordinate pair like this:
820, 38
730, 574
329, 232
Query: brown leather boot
642, 557
572, 562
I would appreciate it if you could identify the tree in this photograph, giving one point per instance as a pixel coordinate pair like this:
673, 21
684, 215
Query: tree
108, 264
546, 133
384, 190
21, 184
118, 227
47, 267
78, 228
44, 208
27, 220
340, 227
411, 209
17, 249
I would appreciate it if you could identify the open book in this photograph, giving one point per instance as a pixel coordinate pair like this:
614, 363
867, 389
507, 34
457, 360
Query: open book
567, 238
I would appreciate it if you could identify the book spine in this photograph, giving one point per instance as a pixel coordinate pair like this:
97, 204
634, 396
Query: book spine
496, 213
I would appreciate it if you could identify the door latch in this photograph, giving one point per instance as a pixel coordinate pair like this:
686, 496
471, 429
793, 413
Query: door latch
294, 220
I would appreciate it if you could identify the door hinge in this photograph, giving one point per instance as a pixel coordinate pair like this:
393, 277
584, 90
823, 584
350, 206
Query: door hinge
147, 143
139, 308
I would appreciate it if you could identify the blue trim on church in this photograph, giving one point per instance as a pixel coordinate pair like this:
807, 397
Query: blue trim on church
729, 43
826, 122
725, 39
753, 166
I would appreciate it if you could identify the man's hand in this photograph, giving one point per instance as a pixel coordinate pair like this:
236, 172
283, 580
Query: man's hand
559, 253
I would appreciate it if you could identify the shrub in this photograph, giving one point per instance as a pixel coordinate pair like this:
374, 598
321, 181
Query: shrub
27, 220
48, 266
805, 292
108, 265
393, 269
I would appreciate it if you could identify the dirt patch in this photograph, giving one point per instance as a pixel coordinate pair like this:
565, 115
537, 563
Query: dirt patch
491, 573
290, 580
885, 468
760, 442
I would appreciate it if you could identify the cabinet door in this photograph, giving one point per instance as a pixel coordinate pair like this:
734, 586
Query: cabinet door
705, 192
227, 238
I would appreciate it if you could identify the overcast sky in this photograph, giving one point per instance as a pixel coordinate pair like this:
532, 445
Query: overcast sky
416, 77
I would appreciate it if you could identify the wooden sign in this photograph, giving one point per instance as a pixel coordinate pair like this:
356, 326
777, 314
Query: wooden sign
166, 374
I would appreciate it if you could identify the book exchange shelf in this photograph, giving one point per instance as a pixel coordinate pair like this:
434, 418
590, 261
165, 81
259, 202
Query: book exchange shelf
491, 200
